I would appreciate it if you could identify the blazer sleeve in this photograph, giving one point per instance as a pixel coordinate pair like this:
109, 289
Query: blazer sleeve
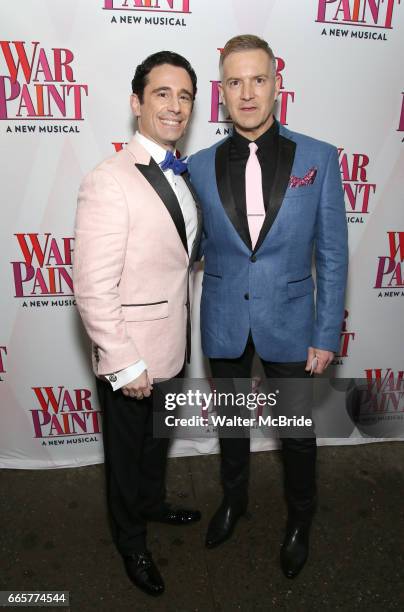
101, 234
192, 169
331, 258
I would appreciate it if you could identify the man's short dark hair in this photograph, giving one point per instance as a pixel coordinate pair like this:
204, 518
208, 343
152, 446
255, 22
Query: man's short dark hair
140, 80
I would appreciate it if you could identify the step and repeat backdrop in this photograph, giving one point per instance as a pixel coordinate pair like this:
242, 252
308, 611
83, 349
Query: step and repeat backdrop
65, 74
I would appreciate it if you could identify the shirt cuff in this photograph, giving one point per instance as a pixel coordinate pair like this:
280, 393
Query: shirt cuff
123, 377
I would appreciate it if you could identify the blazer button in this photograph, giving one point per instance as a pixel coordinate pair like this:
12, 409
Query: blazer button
246, 296
112, 378
253, 258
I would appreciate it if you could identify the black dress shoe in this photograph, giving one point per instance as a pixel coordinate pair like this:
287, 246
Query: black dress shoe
295, 548
143, 573
176, 516
223, 522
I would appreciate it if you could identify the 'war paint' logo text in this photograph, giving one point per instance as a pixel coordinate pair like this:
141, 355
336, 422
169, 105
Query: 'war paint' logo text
366, 15
39, 84
173, 7
159, 6
378, 404
45, 269
390, 269
357, 188
63, 414
386, 389
347, 337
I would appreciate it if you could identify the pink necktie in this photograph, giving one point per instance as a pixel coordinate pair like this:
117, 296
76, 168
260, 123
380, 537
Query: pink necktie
253, 193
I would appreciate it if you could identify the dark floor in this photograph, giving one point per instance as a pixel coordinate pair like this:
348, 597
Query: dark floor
54, 535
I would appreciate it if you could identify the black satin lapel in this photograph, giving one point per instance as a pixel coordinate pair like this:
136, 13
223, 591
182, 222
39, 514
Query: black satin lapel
160, 184
198, 235
225, 191
286, 156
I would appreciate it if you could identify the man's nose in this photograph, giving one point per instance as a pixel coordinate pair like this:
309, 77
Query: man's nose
247, 91
174, 104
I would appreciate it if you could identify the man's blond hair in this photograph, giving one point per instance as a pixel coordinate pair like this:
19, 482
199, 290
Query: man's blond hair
247, 42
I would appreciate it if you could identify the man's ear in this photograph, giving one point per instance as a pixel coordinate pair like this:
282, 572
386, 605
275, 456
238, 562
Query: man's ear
278, 82
135, 104
221, 94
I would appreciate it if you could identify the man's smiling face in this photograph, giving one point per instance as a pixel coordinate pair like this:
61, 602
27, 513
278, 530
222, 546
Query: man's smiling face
166, 106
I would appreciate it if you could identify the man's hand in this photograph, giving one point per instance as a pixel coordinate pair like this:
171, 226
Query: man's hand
138, 388
322, 360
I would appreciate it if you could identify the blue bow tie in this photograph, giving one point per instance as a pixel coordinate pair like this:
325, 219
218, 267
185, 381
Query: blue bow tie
170, 162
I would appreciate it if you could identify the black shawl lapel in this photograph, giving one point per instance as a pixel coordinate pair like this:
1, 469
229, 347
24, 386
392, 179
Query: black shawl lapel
155, 176
195, 246
225, 191
286, 156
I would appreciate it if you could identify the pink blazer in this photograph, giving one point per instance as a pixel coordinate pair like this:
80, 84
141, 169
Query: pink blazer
131, 266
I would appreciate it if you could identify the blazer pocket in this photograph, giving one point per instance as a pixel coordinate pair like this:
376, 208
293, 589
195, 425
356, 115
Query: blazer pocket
300, 287
211, 275
145, 312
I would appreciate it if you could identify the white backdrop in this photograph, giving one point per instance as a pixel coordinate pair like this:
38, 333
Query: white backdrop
65, 73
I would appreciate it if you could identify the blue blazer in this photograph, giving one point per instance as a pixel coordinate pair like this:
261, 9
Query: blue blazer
270, 289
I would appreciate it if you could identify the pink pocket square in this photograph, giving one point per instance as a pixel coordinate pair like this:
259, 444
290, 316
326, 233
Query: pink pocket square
308, 179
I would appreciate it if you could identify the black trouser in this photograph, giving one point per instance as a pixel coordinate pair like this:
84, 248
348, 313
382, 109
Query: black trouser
299, 454
135, 465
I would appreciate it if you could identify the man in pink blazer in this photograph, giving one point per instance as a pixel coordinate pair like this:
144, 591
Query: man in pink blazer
137, 232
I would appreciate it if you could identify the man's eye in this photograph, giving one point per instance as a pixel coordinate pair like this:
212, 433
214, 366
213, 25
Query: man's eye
162, 94
185, 98
233, 83
260, 80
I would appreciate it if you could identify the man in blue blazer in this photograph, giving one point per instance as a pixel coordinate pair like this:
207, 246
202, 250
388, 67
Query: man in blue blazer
272, 199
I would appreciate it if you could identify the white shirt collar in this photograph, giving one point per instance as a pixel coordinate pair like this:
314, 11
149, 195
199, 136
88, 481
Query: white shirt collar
157, 152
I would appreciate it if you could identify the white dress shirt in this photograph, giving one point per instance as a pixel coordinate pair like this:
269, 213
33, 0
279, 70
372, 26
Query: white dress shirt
188, 209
